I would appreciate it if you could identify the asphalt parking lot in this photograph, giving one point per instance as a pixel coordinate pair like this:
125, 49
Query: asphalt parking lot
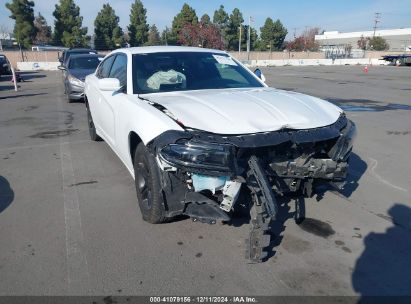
70, 224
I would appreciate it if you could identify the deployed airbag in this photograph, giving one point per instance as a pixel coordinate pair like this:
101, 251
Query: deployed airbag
171, 77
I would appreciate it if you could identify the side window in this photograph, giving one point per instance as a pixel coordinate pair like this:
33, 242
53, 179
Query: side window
119, 69
104, 68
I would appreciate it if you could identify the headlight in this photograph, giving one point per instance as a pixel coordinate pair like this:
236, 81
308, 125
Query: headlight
342, 148
75, 81
194, 155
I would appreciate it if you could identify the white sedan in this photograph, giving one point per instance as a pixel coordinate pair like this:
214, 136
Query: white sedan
203, 136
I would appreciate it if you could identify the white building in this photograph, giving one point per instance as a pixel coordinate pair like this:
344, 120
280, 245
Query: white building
398, 39
6, 40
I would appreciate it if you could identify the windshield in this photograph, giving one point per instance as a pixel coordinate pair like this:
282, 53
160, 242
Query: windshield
84, 63
69, 53
166, 72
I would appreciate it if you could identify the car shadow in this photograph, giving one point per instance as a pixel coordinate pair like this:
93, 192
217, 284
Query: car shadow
6, 194
27, 75
357, 168
384, 267
21, 95
277, 226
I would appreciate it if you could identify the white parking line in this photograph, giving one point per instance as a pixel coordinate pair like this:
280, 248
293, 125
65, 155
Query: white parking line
78, 276
373, 167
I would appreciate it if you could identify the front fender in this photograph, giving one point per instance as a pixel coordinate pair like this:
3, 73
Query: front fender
147, 121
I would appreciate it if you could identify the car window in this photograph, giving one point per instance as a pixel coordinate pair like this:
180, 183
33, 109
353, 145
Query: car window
181, 71
230, 75
84, 63
68, 54
104, 68
119, 69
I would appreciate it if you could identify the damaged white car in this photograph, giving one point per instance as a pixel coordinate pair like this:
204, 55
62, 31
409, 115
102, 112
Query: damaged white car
197, 131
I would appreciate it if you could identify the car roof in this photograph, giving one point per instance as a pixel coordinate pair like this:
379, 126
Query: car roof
160, 49
81, 50
85, 55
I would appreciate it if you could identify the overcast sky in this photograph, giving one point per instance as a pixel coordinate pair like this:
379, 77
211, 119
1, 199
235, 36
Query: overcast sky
347, 15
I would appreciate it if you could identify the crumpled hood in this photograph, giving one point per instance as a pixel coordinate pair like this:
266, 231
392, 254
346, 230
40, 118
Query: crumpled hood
242, 111
81, 73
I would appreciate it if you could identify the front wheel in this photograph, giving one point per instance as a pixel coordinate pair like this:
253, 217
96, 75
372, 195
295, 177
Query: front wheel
148, 187
91, 126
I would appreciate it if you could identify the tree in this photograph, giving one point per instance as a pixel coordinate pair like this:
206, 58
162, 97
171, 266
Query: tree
244, 37
68, 29
165, 35
363, 43
221, 17
378, 44
233, 29
138, 28
297, 45
43, 30
273, 34
153, 36
221, 20
107, 32
205, 19
305, 42
187, 15
23, 14
201, 35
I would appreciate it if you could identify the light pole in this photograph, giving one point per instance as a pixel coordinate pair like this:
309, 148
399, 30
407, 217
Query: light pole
239, 41
249, 38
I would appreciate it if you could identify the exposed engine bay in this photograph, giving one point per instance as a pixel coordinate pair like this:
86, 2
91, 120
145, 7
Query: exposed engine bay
203, 173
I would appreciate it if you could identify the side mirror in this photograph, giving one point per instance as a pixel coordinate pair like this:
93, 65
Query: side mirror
109, 84
259, 74
61, 67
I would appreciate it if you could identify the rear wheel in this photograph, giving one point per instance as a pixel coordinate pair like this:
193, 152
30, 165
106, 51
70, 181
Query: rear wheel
91, 127
148, 187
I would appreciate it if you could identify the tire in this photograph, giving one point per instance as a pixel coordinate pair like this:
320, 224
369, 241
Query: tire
299, 214
148, 186
91, 127
69, 100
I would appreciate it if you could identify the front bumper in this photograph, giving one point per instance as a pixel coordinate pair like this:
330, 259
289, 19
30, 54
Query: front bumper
75, 92
264, 166
293, 161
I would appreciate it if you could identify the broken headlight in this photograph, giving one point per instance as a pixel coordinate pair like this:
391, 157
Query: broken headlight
200, 156
342, 148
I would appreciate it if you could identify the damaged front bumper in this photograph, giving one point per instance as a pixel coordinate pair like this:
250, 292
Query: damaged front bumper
203, 173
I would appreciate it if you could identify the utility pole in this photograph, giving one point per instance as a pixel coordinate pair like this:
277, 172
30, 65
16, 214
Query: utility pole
249, 38
376, 21
305, 38
239, 41
295, 32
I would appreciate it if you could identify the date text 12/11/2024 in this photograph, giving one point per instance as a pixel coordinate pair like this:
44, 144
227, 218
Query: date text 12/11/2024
203, 299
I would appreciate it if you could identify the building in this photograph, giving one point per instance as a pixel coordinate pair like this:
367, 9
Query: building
6, 41
338, 45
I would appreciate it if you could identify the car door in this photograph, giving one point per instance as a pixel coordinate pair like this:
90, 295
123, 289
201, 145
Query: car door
65, 77
95, 96
110, 101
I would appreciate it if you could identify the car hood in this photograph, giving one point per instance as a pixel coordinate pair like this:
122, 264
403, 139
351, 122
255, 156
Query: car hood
242, 111
81, 73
